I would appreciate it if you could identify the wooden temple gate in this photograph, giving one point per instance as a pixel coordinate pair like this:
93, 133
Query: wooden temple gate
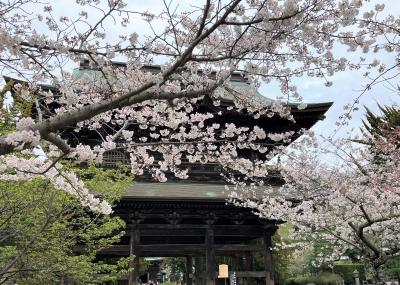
193, 221
192, 218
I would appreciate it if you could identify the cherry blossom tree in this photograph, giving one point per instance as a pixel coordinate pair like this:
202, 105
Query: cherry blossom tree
198, 48
354, 204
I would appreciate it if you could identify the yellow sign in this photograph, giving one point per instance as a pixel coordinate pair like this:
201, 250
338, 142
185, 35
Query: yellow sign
223, 271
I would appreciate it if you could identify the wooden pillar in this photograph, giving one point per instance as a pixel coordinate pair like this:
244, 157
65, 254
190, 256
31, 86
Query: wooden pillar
234, 264
248, 266
199, 268
210, 257
133, 242
189, 270
269, 279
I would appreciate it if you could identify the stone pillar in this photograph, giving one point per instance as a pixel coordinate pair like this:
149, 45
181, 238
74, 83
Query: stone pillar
189, 270
210, 257
356, 277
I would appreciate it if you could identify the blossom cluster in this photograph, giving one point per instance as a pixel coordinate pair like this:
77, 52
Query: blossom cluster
17, 168
158, 117
354, 204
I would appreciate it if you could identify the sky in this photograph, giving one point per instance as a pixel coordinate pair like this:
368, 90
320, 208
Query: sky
346, 86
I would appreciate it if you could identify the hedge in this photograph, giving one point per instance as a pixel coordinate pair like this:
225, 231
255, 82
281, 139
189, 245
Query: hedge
346, 271
321, 279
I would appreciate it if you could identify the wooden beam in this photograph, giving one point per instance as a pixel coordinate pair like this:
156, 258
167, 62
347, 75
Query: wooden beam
172, 232
251, 274
219, 230
181, 249
172, 248
225, 231
220, 248
239, 247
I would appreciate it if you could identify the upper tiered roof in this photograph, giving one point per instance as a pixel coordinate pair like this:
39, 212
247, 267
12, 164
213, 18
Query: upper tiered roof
210, 173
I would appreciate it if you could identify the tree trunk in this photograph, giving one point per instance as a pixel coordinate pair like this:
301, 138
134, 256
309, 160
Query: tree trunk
378, 274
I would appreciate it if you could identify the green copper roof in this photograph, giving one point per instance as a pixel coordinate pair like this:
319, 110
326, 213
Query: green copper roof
240, 86
179, 190
237, 85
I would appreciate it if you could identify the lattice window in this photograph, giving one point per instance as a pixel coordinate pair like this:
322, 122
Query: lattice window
112, 157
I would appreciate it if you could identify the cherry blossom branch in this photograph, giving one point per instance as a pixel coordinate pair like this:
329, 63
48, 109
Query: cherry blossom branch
113, 5
48, 127
57, 141
360, 233
203, 19
53, 164
196, 142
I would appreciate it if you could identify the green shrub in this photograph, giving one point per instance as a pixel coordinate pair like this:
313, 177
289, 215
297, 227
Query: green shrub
392, 270
346, 271
393, 273
321, 279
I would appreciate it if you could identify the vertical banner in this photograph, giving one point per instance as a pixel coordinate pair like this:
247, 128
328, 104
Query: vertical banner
232, 278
